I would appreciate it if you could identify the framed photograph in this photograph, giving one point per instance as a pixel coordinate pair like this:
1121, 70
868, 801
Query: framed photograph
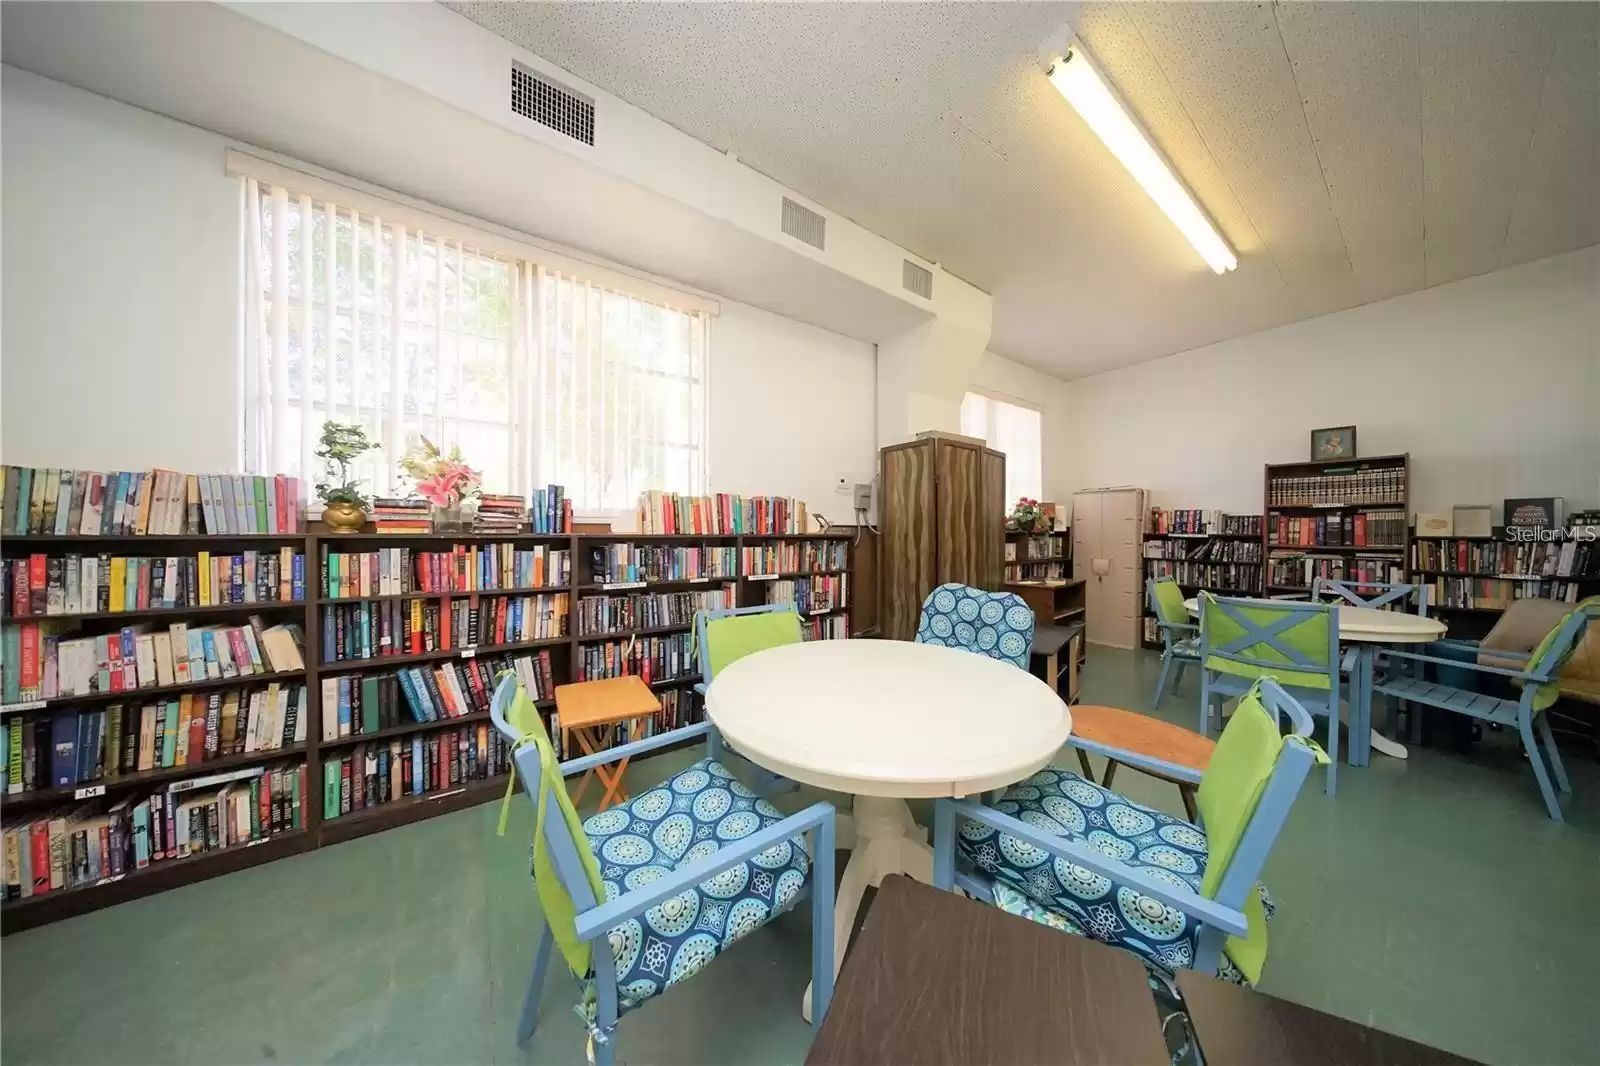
1472, 521
1337, 442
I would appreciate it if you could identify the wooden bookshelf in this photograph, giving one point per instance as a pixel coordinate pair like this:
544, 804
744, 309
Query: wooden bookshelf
1031, 557
1184, 562
1347, 497
1517, 573
317, 831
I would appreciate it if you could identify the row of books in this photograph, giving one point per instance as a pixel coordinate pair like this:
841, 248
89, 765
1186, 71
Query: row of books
620, 564
724, 514
1338, 487
359, 704
58, 502
1209, 551
83, 845
663, 658
825, 627
464, 568
601, 615
790, 557
1022, 573
373, 630
1364, 529
1506, 559
1233, 578
550, 511
811, 595
1495, 593
393, 515
68, 748
97, 584
42, 665
1294, 570
370, 775
1040, 547
1191, 522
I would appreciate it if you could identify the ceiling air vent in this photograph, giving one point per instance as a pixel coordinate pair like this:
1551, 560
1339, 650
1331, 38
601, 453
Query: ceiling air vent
549, 103
804, 224
917, 279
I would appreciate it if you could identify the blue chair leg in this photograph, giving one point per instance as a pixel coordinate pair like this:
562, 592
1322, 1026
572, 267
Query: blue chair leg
1177, 678
1525, 727
1542, 723
1331, 784
606, 1011
529, 1021
1205, 703
822, 892
1161, 682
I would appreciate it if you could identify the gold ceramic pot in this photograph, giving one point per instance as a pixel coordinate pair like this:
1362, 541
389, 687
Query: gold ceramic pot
344, 517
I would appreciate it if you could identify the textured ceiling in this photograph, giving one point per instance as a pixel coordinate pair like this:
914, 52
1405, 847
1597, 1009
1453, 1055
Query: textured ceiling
1349, 151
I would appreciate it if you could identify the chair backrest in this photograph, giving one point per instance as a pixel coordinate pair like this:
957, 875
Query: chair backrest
565, 871
996, 624
1244, 798
1294, 642
1556, 647
1166, 603
728, 634
1381, 595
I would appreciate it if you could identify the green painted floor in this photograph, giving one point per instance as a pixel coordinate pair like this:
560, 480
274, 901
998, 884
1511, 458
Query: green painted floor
1431, 898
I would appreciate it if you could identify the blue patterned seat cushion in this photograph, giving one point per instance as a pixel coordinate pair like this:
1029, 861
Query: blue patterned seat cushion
681, 821
1188, 648
996, 624
1062, 803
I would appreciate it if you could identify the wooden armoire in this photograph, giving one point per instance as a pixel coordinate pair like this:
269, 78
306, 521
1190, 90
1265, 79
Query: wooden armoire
1107, 548
942, 511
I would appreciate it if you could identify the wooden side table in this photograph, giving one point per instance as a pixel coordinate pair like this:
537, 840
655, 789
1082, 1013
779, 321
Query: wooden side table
589, 709
1140, 734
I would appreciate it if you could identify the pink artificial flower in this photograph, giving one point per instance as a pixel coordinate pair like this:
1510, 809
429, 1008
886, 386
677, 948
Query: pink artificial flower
437, 491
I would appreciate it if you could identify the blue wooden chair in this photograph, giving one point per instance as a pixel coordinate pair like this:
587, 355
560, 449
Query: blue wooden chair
727, 634
1180, 644
1526, 714
1380, 596
1063, 851
996, 624
1294, 642
643, 895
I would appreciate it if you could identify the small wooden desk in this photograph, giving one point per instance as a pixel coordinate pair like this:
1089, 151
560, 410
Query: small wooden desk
1241, 1027
1130, 731
587, 711
940, 980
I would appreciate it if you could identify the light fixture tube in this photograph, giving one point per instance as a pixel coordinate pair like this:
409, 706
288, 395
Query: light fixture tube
1078, 81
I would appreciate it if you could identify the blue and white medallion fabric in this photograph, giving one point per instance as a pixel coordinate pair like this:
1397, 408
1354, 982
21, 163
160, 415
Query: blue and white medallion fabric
996, 624
699, 811
1030, 882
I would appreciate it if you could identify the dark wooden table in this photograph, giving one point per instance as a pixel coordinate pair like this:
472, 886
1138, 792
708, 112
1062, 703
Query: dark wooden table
1241, 1027
936, 978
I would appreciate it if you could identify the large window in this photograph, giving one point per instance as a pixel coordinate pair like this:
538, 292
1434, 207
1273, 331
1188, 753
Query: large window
539, 376
1015, 430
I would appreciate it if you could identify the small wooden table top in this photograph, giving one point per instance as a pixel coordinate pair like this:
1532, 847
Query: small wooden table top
936, 979
615, 699
1241, 1027
1142, 735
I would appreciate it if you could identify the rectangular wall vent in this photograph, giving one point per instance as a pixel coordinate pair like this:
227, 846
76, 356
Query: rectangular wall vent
549, 103
804, 224
917, 279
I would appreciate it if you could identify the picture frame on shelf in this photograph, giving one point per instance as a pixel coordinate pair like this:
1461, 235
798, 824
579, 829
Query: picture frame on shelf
1433, 525
1335, 442
1472, 521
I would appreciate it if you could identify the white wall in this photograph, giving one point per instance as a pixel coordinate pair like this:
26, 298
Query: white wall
121, 299
1491, 384
120, 254
1002, 378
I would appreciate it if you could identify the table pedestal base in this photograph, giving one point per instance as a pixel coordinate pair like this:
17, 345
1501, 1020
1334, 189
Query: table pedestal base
886, 841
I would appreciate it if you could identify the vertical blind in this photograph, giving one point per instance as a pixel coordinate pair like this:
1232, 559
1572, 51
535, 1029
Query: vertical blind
538, 376
1015, 430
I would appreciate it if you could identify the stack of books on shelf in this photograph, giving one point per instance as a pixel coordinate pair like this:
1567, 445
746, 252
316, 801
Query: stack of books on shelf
616, 615
1236, 525
1222, 578
1210, 551
637, 564
83, 845
812, 595
721, 515
1364, 529
362, 704
60, 502
393, 515
1339, 487
377, 629
825, 627
464, 568
656, 659
550, 511
43, 585
1042, 546
1293, 570
372, 774
41, 664
500, 514
793, 557
1180, 522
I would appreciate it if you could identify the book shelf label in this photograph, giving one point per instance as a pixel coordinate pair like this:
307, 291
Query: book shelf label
469, 653
89, 793
27, 705
610, 585
761, 577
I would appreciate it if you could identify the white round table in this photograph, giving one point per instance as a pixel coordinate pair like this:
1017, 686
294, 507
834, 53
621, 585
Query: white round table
1365, 627
886, 720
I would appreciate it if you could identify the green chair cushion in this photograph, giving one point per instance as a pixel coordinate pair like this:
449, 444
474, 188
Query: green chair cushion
1243, 761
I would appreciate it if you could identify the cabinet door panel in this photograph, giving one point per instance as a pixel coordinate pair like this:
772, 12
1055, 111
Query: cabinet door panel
992, 517
907, 550
961, 536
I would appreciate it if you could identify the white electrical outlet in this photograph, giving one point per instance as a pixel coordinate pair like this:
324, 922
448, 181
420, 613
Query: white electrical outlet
842, 484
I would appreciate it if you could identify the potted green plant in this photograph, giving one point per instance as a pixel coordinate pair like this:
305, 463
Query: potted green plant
344, 507
1027, 517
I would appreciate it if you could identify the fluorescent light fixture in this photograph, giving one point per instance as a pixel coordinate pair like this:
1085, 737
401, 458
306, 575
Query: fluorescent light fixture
1078, 81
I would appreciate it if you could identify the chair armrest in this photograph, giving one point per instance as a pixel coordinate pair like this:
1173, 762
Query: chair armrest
598, 921
1521, 675
1229, 920
1133, 759
637, 747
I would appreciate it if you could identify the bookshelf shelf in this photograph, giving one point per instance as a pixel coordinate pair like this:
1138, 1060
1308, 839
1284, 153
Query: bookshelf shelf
792, 574
521, 590
159, 612
65, 542
407, 728
634, 586
1314, 549
136, 695
624, 634
409, 809
397, 540
145, 777
342, 666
